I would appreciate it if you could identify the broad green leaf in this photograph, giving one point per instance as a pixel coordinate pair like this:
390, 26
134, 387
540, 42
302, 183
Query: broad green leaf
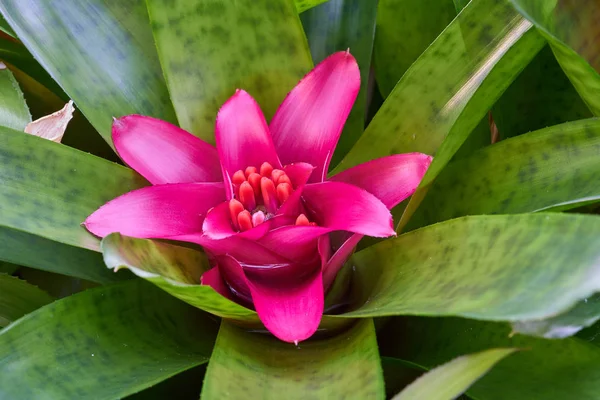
338, 25
208, 49
546, 369
100, 51
303, 5
106, 342
18, 298
504, 268
405, 28
13, 109
398, 374
8, 268
450, 380
541, 96
584, 314
4, 27
556, 166
175, 269
572, 29
257, 366
184, 386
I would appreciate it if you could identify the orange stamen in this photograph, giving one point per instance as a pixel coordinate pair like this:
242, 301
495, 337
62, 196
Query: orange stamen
250, 170
284, 179
302, 220
284, 190
269, 194
276, 174
244, 220
247, 196
238, 177
254, 180
266, 169
235, 208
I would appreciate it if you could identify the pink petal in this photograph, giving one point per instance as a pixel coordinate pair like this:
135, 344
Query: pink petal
164, 153
213, 278
242, 135
157, 211
289, 300
307, 125
391, 179
299, 173
340, 206
217, 225
335, 263
297, 243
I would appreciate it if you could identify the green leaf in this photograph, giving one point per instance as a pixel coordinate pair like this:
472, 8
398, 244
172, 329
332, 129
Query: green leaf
508, 267
303, 5
13, 109
556, 166
571, 29
450, 380
110, 342
4, 27
541, 96
100, 51
405, 28
548, 369
175, 269
208, 49
8, 268
48, 190
338, 25
253, 365
449, 89
398, 374
18, 298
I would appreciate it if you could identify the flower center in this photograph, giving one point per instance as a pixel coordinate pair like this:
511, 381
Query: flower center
258, 193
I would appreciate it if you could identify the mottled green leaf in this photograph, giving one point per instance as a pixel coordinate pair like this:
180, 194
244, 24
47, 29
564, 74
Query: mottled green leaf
545, 370
18, 298
571, 28
303, 5
253, 365
541, 96
208, 49
556, 166
405, 28
450, 380
106, 343
13, 109
174, 269
100, 51
338, 25
507, 267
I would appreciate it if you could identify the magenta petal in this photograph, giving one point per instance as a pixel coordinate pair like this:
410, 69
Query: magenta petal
217, 225
335, 263
213, 278
307, 125
157, 211
340, 206
164, 153
289, 301
242, 135
297, 243
299, 173
390, 179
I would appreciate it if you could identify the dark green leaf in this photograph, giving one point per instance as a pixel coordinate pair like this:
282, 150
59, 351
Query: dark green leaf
556, 166
13, 109
405, 28
546, 369
4, 27
8, 268
18, 298
572, 29
175, 269
208, 49
450, 380
398, 374
303, 5
106, 343
252, 365
507, 267
100, 51
338, 25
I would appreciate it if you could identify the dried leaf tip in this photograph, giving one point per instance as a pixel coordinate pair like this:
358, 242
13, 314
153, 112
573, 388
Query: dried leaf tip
53, 126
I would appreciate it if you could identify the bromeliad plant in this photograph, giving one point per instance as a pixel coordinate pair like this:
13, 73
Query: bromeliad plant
473, 124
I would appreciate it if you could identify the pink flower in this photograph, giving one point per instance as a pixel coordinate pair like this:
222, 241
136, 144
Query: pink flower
260, 202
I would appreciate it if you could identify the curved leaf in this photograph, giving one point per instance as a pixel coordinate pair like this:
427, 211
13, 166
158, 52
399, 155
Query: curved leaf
13, 109
251, 365
208, 49
175, 269
450, 380
571, 28
338, 25
18, 298
4, 27
110, 341
508, 267
303, 5
100, 51
556, 166
405, 28
547, 369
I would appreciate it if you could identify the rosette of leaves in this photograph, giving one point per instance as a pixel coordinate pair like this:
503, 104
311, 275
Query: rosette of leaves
487, 292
